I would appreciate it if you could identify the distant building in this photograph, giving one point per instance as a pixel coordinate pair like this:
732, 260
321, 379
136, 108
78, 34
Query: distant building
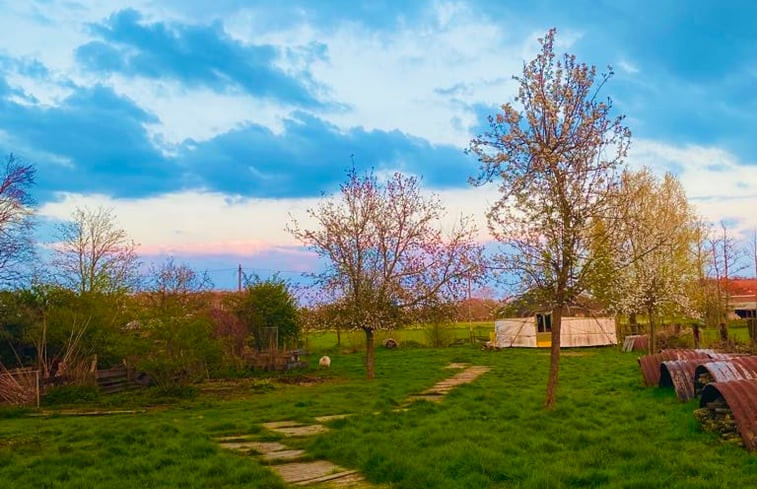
742, 298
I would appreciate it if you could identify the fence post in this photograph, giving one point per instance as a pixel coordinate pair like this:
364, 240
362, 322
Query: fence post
36, 376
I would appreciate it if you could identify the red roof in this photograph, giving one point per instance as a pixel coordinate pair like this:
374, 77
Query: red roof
742, 286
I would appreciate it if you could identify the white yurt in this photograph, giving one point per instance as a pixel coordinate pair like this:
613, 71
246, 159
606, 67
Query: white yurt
535, 332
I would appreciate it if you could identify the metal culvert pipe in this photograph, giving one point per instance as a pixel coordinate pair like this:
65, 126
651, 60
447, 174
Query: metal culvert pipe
739, 398
734, 368
679, 375
650, 364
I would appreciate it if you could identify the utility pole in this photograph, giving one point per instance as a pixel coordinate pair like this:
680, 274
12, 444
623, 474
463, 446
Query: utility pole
472, 338
239, 278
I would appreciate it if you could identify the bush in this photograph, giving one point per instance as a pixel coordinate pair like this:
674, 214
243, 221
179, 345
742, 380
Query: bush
438, 335
9, 412
70, 394
260, 386
171, 392
267, 306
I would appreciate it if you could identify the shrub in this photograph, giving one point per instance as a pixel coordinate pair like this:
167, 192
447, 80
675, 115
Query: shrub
70, 394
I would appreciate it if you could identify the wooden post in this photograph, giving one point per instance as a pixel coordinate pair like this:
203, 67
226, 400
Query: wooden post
36, 376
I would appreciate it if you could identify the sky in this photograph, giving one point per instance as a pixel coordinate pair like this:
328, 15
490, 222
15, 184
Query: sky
207, 126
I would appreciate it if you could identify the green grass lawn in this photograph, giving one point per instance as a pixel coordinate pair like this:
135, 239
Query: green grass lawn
607, 430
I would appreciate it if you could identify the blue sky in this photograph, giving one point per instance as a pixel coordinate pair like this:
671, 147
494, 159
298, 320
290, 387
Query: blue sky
206, 125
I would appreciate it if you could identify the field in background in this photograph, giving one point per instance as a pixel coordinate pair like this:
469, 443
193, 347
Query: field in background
459, 333
354, 341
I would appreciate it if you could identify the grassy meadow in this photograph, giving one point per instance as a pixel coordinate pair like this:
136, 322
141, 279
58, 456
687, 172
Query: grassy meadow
607, 430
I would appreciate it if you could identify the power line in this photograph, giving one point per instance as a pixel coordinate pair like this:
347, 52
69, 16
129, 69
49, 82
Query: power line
275, 270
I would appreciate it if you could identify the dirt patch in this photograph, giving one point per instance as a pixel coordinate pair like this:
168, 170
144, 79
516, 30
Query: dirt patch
301, 380
570, 353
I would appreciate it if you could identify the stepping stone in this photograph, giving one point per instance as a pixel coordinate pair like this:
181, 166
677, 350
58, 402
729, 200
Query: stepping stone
457, 365
229, 438
352, 481
333, 417
265, 447
283, 455
280, 424
238, 446
304, 473
441, 388
293, 428
304, 430
428, 398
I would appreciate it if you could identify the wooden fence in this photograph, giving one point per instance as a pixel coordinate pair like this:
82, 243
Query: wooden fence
117, 379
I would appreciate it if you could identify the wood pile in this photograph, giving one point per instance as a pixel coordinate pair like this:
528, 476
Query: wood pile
702, 380
19, 387
274, 360
717, 417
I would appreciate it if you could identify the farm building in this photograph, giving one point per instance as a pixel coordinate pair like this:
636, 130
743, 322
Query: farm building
535, 332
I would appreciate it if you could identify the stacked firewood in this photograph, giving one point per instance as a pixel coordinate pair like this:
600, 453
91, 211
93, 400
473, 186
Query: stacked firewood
702, 380
717, 417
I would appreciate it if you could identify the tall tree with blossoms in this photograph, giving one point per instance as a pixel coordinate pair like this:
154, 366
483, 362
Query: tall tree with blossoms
556, 153
660, 233
386, 253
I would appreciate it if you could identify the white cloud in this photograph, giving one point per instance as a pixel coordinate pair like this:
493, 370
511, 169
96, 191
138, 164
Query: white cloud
422, 79
628, 67
210, 223
390, 79
192, 221
197, 113
721, 186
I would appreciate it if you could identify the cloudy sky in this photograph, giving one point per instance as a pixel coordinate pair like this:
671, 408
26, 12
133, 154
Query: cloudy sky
205, 125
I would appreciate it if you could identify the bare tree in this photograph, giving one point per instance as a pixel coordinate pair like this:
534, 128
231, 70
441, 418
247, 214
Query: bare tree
172, 284
728, 259
386, 253
703, 293
15, 217
94, 255
556, 159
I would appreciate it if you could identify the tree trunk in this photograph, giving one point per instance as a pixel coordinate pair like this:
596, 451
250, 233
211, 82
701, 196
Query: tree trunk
554, 359
752, 325
338, 336
723, 333
369, 361
632, 323
652, 336
695, 331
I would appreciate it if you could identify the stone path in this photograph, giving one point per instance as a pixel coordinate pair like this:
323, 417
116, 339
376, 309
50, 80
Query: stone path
291, 463
441, 388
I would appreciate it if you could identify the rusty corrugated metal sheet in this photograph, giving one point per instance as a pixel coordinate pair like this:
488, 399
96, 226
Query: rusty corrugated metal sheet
636, 343
679, 374
650, 364
741, 397
727, 370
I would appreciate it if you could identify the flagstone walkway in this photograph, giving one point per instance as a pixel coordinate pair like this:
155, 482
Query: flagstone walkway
442, 388
291, 463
